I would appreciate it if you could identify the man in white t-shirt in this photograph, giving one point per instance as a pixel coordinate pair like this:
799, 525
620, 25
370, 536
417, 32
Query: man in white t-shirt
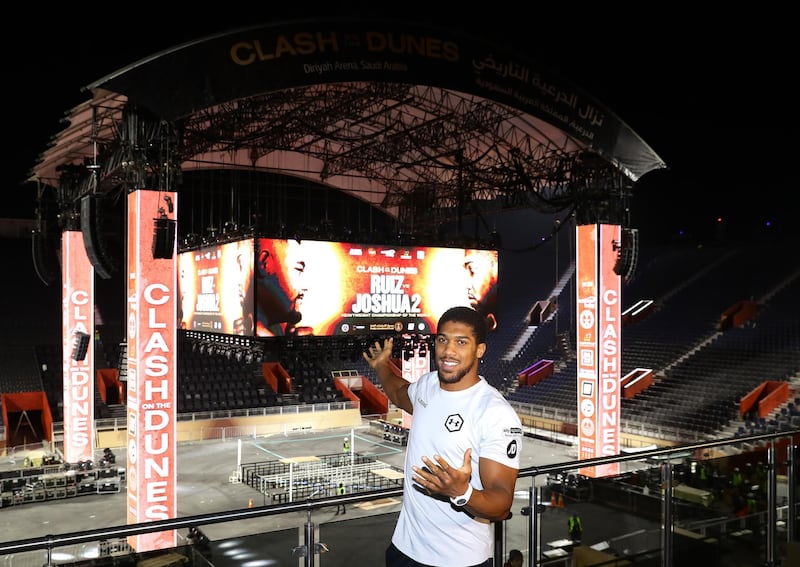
462, 459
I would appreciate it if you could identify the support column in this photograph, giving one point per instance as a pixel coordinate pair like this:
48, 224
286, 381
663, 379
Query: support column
77, 319
599, 346
152, 366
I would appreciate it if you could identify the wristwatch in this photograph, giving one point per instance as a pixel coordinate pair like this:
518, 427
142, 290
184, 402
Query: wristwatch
461, 501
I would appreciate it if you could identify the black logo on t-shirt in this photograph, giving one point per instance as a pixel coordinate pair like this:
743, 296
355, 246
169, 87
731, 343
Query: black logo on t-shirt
454, 422
511, 449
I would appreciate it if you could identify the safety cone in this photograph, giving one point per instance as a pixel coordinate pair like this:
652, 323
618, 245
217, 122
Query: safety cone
553, 503
560, 500
250, 503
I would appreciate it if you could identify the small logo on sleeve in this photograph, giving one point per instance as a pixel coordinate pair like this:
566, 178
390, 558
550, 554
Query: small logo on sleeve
511, 449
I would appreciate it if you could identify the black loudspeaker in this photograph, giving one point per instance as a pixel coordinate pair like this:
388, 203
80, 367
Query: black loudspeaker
627, 254
80, 346
163, 238
91, 237
42, 262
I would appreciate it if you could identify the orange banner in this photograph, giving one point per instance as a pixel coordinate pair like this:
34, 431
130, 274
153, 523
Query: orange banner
599, 346
609, 348
152, 373
77, 318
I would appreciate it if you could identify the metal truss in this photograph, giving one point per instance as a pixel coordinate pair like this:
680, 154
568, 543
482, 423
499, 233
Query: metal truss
432, 151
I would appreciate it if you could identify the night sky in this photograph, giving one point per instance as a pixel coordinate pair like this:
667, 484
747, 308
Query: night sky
709, 94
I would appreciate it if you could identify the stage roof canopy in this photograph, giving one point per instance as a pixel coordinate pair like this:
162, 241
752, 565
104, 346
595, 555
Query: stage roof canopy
393, 113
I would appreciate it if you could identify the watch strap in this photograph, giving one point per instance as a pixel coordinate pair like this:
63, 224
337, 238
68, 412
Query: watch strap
462, 500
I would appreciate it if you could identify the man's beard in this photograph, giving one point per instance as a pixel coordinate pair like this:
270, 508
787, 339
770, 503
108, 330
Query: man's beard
453, 378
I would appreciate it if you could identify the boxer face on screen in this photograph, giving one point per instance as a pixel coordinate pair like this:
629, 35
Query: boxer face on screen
245, 287
480, 267
280, 289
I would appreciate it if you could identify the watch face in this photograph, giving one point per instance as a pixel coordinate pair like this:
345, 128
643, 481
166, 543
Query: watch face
461, 501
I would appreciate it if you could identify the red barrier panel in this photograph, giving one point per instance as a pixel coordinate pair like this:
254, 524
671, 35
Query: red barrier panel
638, 311
764, 398
636, 381
109, 386
375, 398
345, 390
277, 377
18, 402
777, 393
749, 401
536, 372
738, 314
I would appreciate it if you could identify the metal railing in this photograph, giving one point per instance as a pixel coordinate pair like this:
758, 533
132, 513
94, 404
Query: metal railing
667, 516
308, 551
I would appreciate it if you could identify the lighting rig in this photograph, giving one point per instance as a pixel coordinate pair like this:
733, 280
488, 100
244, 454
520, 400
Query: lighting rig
232, 347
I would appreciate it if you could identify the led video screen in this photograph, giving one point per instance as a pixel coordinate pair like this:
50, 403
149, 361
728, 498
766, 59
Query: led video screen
332, 288
215, 287
278, 287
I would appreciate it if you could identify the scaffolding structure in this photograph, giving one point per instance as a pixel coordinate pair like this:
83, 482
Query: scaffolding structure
315, 477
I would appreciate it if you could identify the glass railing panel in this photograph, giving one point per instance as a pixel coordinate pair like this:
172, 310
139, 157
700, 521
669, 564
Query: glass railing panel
730, 501
667, 506
356, 541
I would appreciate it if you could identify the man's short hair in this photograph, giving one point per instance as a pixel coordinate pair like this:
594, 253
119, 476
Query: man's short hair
468, 316
515, 554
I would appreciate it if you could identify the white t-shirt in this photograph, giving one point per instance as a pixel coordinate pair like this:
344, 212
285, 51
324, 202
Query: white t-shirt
432, 531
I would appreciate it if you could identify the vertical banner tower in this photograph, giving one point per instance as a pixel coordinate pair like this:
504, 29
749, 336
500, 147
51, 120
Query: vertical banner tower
599, 347
152, 360
77, 338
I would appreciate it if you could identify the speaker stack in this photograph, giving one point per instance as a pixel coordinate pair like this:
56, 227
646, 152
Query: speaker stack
80, 346
91, 237
163, 238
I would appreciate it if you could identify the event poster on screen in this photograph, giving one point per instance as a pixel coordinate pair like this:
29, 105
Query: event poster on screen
284, 287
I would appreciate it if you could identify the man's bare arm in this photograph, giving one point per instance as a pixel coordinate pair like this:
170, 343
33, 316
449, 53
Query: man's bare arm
493, 502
